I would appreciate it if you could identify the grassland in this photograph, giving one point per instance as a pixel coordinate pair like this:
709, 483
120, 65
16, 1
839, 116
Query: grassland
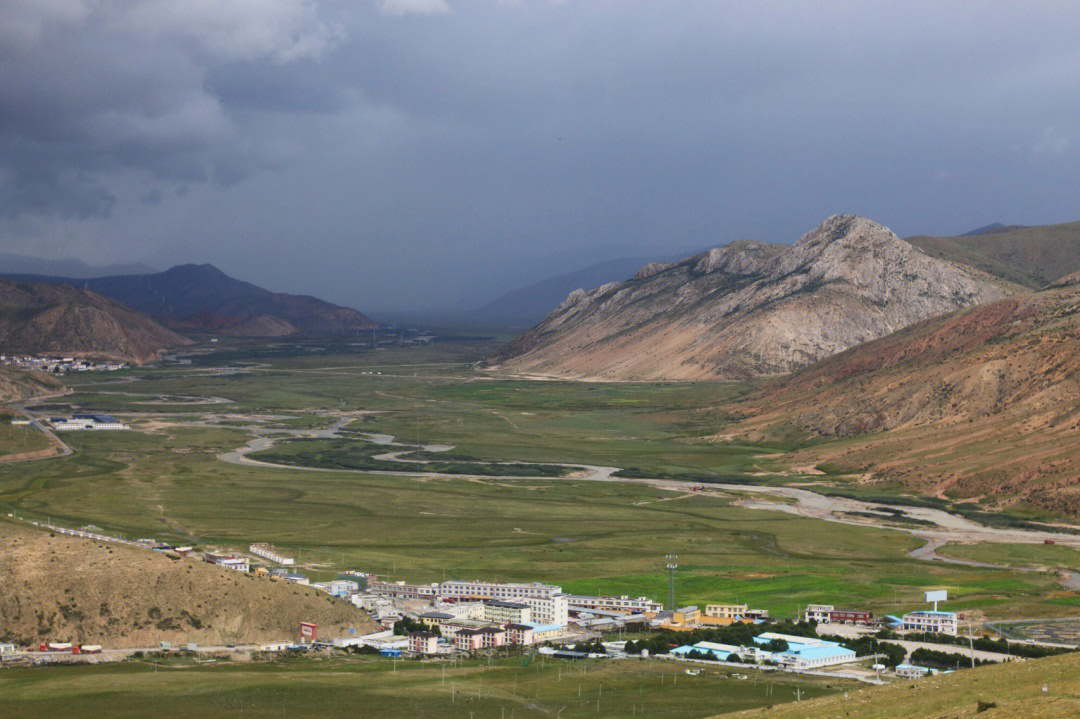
1006, 691
1021, 555
389, 690
164, 479
17, 439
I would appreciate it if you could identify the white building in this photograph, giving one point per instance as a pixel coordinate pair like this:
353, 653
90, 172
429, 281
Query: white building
818, 613
267, 552
930, 620
613, 604
338, 587
548, 603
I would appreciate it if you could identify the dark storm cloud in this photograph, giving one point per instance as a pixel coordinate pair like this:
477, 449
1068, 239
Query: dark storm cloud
427, 153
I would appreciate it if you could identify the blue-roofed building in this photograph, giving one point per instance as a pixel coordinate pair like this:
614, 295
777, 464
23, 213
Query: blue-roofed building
544, 632
912, 671
801, 652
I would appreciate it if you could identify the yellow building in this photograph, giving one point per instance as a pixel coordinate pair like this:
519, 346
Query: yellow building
726, 611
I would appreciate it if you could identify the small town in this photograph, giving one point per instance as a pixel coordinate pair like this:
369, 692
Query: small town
468, 618
60, 365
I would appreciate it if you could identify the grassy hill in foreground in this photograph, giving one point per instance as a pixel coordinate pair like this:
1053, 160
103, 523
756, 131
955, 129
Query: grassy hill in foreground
59, 588
983, 403
1007, 691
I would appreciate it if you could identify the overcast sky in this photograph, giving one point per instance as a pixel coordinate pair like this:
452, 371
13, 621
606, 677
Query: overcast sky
418, 154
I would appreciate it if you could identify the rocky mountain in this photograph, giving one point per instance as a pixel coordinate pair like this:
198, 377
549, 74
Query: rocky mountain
187, 290
258, 326
1031, 256
64, 320
749, 309
982, 403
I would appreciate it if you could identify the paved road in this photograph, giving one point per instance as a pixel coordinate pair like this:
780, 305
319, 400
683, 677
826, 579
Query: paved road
951, 649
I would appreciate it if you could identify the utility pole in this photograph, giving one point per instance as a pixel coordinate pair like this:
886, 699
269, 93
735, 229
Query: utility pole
672, 565
971, 645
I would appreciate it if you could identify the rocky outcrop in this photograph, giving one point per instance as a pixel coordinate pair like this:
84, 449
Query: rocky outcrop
750, 309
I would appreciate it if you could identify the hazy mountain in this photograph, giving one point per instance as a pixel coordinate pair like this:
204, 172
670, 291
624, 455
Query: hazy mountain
1031, 256
64, 320
749, 309
528, 305
982, 402
257, 326
187, 290
13, 264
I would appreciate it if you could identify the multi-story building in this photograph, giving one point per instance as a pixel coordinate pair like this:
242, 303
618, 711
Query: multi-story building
547, 601
338, 587
401, 590
818, 613
624, 603
423, 643
501, 612
492, 637
267, 552
931, 620
726, 611
434, 619
468, 640
828, 614
519, 634
859, 617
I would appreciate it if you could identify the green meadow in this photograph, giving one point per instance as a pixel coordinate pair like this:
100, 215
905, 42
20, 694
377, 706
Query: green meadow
164, 479
391, 690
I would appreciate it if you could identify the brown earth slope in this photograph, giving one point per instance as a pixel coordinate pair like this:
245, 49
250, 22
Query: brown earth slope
59, 588
749, 309
64, 320
17, 384
980, 403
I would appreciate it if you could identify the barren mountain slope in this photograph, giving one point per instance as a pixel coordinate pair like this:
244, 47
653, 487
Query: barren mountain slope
983, 402
749, 309
17, 384
60, 319
58, 588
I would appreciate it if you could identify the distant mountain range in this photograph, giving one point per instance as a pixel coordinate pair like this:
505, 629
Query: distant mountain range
203, 298
749, 309
65, 320
13, 264
528, 305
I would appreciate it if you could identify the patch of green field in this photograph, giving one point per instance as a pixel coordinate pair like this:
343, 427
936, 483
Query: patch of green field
381, 688
1020, 555
16, 439
354, 454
